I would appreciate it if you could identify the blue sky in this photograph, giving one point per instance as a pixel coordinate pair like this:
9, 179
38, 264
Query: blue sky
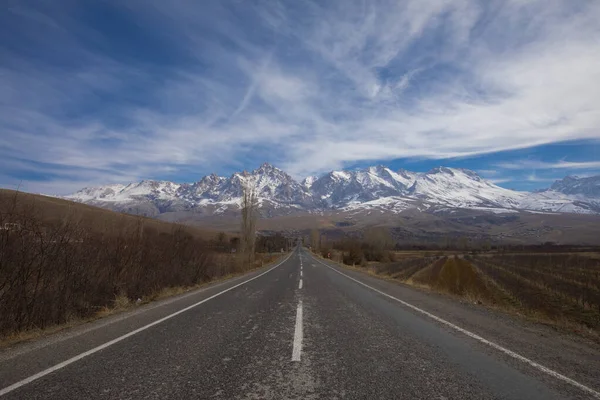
97, 92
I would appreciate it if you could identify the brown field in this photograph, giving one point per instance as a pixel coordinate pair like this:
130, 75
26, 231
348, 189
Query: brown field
398, 255
561, 289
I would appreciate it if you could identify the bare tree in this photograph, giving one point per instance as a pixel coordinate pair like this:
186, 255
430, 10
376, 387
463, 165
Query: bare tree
315, 237
379, 237
379, 241
248, 228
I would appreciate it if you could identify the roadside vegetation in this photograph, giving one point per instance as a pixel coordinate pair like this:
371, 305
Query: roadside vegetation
559, 286
62, 262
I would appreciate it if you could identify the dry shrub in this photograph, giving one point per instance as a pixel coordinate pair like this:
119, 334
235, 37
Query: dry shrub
121, 302
57, 266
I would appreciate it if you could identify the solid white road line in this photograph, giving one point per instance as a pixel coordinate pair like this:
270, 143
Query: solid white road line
300, 284
63, 364
504, 350
298, 334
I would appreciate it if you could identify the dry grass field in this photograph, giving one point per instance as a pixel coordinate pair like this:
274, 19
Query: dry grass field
561, 289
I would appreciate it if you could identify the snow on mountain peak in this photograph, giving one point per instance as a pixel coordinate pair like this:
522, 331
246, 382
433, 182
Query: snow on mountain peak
376, 186
462, 188
588, 186
308, 181
344, 175
99, 192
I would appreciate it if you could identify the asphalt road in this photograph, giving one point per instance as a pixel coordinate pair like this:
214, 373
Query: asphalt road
303, 329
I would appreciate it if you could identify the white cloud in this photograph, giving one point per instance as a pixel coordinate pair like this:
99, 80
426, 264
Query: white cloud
532, 164
533, 177
500, 180
487, 172
317, 88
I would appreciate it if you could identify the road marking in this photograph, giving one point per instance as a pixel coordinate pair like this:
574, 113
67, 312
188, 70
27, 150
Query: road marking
301, 273
298, 334
63, 364
504, 350
300, 284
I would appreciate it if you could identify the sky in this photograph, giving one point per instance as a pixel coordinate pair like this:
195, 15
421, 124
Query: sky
98, 92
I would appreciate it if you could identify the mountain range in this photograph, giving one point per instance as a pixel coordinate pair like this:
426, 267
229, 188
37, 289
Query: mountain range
376, 188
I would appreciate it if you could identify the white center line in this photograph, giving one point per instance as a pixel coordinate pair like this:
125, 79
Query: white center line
298, 334
300, 284
504, 350
300, 272
63, 364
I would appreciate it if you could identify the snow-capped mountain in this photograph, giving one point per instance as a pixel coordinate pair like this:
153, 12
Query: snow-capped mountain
274, 188
574, 185
103, 193
372, 188
461, 188
340, 188
270, 183
570, 194
308, 181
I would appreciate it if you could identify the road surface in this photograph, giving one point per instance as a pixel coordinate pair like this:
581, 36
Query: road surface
304, 329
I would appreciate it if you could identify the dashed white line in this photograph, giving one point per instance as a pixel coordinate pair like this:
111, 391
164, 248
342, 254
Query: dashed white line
504, 350
300, 284
63, 364
298, 334
300, 272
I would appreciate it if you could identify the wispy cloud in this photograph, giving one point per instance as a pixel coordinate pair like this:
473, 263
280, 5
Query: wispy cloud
532, 164
533, 177
488, 172
500, 180
311, 88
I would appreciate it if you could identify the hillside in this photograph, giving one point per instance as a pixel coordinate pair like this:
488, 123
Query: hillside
50, 211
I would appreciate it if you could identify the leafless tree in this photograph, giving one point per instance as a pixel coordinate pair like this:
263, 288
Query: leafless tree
315, 237
248, 228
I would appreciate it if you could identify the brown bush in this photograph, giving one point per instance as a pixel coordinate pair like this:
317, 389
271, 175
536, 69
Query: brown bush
54, 268
354, 255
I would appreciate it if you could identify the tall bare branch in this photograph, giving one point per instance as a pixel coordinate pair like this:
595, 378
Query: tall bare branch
248, 228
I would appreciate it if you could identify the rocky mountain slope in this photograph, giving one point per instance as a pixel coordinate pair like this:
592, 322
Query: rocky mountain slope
375, 188
573, 185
